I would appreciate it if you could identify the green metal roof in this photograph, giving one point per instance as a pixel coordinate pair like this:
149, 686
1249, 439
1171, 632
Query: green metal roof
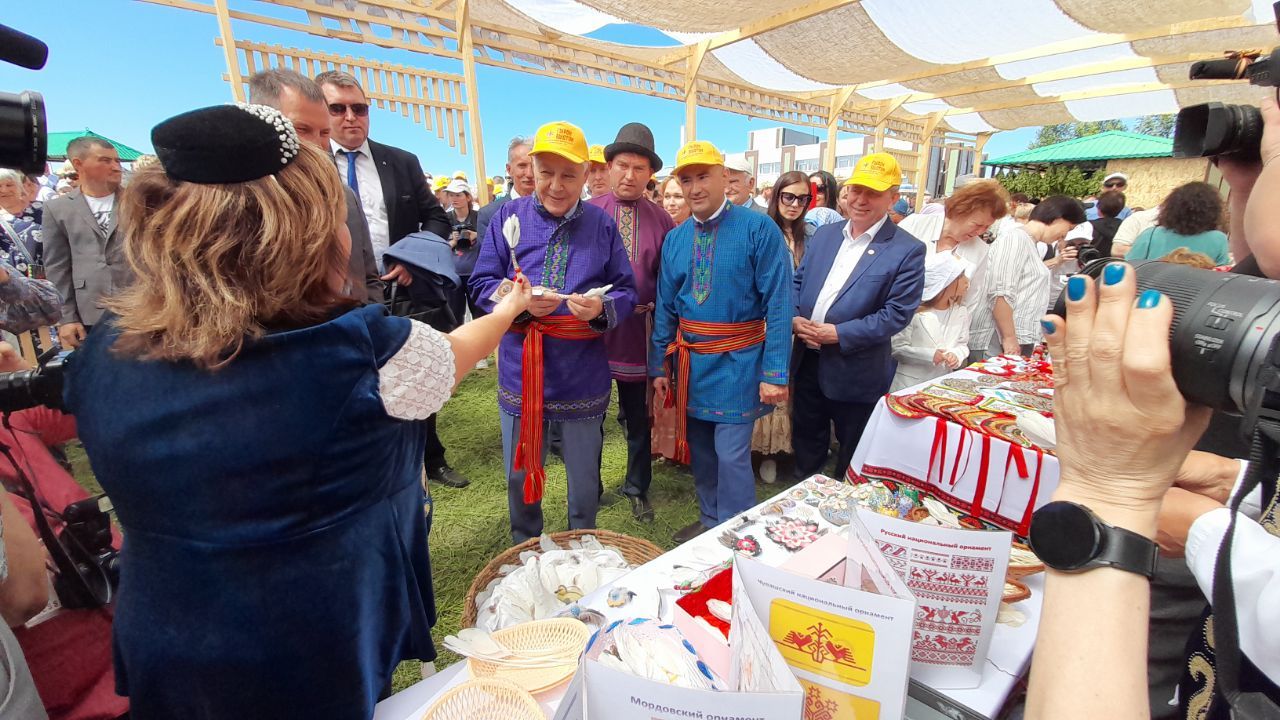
58, 145
1109, 145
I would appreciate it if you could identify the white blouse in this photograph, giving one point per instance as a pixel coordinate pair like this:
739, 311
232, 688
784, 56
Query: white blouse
929, 331
417, 381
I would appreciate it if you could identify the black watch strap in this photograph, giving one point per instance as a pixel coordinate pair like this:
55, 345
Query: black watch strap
1126, 550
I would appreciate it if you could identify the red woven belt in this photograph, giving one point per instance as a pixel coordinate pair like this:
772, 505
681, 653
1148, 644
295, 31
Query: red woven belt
528, 454
728, 337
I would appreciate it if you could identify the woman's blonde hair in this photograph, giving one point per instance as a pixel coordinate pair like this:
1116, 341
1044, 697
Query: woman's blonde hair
219, 265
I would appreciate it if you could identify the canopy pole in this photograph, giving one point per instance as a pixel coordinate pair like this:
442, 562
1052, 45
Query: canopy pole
229, 49
927, 126
693, 64
979, 142
466, 46
838, 100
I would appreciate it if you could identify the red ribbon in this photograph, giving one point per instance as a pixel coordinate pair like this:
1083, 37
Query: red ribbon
528, 454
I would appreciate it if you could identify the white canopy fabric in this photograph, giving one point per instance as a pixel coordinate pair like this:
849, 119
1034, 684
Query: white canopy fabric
909, 67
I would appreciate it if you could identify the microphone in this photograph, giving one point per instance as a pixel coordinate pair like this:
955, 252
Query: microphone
21, 49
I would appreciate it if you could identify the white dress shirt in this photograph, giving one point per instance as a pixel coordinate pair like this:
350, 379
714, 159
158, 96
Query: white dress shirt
1254, 573
847, 257
371, 199
1016, 273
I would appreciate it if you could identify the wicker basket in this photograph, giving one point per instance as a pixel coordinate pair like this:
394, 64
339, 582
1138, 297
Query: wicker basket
1018, 572
634, 550
552, 634
485, 699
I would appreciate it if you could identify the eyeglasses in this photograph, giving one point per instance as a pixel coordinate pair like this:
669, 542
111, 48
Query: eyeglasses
787, 198
340, 109
820, 188
1113, 184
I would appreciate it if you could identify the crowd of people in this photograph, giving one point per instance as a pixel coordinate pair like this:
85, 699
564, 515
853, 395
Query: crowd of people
256, 257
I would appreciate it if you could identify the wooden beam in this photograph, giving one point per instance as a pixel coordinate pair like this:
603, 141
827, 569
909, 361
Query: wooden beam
886, 110
980, 142
877, 139
229, 49
758, 27
838, 100
692, 65
467, 48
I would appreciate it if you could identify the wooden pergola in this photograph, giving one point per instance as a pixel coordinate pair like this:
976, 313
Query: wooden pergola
497, 34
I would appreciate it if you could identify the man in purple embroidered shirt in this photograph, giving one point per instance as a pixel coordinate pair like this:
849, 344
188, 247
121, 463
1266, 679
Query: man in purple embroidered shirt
552, 366
643, 225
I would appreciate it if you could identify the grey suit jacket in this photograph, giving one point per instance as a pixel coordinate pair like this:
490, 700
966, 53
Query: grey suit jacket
363, 269
85, 265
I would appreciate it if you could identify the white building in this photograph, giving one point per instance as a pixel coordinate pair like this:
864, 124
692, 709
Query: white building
777, 150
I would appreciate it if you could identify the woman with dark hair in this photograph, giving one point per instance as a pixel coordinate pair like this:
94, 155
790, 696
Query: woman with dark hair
260, 435
787, 205
825, 189
1189, 218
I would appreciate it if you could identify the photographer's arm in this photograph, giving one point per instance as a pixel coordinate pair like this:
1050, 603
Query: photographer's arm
24, 590
1262, 217
1113, 379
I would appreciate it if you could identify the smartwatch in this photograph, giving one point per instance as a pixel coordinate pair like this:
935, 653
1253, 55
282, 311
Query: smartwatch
1070, 538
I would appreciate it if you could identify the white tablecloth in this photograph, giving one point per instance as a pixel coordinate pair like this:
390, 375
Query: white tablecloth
946, 459
1007, 661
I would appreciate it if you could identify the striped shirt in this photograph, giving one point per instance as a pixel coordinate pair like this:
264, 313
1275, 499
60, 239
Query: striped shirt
1016, 273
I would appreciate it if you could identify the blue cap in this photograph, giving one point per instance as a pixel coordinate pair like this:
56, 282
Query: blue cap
901, 207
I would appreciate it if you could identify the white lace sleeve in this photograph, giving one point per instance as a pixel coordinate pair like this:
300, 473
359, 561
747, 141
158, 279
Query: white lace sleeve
418, 379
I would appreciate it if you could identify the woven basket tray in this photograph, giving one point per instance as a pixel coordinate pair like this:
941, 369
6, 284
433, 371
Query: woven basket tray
553, 634
485, 699
634, 550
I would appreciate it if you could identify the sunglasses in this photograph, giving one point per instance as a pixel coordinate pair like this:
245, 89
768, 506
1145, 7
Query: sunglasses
787, 198
819, 188
340, 109
1113, 184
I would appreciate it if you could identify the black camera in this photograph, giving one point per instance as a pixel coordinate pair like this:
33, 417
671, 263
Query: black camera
1218, 128
1223, 341
24, 135
41, 385
87, 539
461, 229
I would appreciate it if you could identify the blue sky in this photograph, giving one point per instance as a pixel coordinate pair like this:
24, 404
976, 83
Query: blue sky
119, 67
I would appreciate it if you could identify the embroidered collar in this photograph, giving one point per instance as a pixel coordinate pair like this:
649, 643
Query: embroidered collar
711, 222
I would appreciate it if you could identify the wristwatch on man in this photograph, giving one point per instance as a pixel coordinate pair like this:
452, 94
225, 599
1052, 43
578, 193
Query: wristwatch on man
1070, 538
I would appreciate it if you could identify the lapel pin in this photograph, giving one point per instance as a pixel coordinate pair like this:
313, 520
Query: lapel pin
871, 252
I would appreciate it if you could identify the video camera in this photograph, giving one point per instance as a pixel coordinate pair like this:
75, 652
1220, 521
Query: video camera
1216, 128
24, 135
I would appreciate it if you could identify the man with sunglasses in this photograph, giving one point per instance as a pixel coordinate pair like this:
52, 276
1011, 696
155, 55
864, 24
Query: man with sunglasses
1118, 182
397, 202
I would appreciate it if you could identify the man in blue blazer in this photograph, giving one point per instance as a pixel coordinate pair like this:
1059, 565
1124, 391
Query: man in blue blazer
858, 285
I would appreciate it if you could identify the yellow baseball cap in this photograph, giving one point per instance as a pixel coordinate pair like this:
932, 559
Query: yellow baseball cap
563, 139
878, 171
441, 182
697, 152
597, 154
460, 174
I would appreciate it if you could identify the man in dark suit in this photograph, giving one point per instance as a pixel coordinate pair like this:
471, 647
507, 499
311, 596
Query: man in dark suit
859, 284
396, 201
520, 170
301, 100
83, 249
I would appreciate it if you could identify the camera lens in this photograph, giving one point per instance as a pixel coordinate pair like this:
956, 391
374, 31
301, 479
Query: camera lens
1217, 129
1224, 329
24, 136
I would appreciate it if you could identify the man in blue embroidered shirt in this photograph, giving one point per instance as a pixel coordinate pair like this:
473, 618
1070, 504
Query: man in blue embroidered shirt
722, 330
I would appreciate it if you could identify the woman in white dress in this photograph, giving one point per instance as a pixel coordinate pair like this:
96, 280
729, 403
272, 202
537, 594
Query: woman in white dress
937, 340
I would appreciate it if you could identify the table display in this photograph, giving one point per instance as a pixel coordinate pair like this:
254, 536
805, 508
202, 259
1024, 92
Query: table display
775, 534
979, 439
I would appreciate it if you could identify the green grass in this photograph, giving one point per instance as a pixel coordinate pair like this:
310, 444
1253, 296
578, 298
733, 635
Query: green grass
470, 525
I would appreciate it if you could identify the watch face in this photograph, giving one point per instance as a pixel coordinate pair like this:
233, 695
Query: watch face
1064, 536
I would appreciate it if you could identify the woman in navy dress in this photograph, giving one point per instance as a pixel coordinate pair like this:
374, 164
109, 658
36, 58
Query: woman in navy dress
258, 434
